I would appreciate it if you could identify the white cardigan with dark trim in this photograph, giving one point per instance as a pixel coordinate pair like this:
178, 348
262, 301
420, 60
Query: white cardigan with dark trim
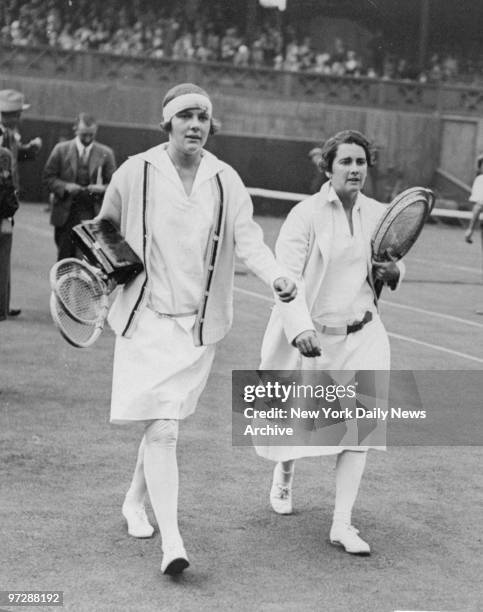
127, 203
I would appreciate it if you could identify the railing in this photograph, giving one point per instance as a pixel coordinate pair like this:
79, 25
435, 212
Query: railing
254, 82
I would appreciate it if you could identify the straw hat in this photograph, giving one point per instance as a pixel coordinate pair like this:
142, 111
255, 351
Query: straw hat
12, 101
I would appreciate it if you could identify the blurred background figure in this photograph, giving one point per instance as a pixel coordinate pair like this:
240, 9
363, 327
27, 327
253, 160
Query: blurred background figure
77, 173
12, 104
476, 197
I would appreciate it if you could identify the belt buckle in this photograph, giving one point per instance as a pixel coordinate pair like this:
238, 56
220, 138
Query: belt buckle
355, 327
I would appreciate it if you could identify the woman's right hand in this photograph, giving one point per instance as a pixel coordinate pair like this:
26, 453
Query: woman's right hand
308, 344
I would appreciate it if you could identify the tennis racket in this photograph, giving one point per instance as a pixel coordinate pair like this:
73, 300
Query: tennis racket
79, 302
399, 227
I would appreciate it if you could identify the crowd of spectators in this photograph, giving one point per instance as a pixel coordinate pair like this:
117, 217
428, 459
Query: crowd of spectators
202, 31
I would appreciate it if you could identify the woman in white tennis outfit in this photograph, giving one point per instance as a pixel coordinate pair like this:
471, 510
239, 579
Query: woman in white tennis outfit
186, 214
333, 323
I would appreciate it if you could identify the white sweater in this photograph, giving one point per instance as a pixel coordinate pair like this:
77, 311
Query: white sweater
128, 203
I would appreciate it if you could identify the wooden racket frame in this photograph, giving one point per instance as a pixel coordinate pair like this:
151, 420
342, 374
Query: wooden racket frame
398, 204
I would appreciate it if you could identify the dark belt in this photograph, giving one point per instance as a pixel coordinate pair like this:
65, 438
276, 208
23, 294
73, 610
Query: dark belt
344, 330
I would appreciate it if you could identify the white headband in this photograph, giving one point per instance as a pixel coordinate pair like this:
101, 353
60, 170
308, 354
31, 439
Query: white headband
185, 101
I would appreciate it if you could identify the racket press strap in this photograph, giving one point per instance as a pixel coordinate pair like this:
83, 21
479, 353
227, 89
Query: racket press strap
104, 247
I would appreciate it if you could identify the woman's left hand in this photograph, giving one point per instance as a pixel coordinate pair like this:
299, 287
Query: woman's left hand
386, 271
285, 288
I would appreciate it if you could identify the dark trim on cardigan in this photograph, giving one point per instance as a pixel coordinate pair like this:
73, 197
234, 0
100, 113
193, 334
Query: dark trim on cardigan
143, 288
211, 262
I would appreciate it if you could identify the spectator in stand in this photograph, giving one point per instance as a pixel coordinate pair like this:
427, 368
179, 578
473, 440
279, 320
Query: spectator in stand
305, 54
183, 48
66, 39
339, 54
278, 62
212, 43
242, 56
292, 57
376, 50
229, 44
337, 69
389, 69
352, 65
157, 48
322, 65
402, 69
257, 53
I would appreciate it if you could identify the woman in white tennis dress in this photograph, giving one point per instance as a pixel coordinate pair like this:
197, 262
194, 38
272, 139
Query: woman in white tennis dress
186, 214
333, 323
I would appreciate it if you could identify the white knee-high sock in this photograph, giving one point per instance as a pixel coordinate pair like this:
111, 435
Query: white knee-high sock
161, 471
137, 489
348, 473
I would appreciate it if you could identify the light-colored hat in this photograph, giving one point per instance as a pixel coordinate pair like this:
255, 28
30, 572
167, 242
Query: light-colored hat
11, 101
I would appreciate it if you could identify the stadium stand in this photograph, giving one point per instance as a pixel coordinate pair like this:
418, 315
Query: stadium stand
217, 31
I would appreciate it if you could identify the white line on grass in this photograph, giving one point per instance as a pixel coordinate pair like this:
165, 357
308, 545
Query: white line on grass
440, 264
436, 347
433, 313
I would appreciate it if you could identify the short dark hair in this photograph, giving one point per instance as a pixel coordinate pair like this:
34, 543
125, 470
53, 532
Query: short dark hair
329, 148
179, 90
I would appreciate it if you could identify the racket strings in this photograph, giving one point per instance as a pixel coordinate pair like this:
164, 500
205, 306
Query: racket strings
79, 290
77, 333
402, 223
402, 230
79, 301
80, 296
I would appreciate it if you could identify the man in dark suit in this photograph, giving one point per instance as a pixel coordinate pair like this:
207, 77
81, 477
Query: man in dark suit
12, 104
77, 173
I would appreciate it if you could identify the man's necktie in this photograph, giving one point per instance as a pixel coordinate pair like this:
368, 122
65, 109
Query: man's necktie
6, 138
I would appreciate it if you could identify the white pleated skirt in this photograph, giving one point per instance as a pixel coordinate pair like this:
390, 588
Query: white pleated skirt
158, 373
367, 349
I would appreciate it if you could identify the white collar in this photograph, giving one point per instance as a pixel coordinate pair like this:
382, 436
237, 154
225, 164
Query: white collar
334, 198
158, 157
80, 147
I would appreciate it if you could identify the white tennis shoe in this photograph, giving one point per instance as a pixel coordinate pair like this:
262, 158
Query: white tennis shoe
342, 534
281, 492
281, 498
175, 560
138, 525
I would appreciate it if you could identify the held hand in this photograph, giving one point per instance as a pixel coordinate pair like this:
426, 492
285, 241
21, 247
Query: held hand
285, 288
308, 344
92, 188
36, 143
386, 271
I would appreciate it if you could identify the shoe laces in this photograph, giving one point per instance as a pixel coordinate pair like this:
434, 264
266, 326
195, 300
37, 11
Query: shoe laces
283, 491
